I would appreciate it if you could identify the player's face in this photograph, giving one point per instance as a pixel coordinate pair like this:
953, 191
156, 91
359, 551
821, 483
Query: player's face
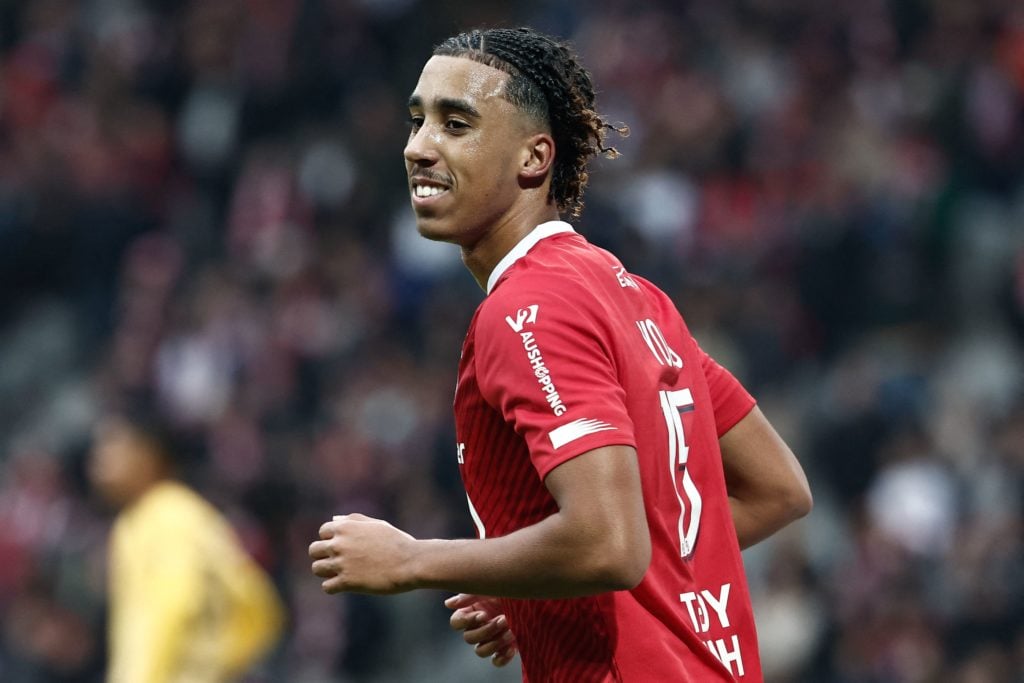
120, 465
465, 149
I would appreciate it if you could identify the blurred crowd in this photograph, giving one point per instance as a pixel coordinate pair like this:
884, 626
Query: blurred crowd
203, 205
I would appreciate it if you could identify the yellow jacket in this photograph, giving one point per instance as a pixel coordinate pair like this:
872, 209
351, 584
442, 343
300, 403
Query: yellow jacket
187, 604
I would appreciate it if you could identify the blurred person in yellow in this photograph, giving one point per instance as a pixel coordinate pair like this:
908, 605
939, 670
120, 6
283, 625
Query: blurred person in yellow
187, 603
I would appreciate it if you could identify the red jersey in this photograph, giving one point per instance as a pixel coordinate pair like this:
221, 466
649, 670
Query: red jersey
568, 353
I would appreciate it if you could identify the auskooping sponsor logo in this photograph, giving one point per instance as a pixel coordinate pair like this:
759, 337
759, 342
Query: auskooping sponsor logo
528, 316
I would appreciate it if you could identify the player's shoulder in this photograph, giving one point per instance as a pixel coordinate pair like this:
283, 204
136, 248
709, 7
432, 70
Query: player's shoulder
172, 504
517, 305
534, 287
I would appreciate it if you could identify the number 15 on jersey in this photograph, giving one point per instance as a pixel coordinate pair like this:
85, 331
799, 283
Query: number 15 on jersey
673, 404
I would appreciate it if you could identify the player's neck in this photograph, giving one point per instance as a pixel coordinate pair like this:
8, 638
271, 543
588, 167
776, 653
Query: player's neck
483, 255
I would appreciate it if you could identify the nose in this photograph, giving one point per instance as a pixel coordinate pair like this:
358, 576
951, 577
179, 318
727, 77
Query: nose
421, 148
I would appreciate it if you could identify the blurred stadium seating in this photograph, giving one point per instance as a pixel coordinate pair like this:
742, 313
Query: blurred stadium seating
203, 202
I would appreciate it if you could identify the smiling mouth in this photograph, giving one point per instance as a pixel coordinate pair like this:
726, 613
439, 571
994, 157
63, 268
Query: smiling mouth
427, 191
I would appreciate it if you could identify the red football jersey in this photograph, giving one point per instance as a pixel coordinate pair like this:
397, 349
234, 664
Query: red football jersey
568, 353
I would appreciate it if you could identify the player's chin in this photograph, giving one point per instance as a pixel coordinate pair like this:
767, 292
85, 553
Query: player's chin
433, 228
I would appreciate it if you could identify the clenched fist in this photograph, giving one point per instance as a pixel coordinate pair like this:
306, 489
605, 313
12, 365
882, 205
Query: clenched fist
360, 554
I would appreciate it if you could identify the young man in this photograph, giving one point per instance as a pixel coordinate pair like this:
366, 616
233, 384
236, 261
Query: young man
613, 470
187, 604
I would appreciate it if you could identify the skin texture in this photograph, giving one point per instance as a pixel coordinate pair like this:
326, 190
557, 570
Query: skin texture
483, 626
767, 487
493, 162
598, 541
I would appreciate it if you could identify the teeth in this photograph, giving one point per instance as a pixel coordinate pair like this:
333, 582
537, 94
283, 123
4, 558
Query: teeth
427, 190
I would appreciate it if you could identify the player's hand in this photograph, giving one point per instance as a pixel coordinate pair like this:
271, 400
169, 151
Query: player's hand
360, 554
483, 626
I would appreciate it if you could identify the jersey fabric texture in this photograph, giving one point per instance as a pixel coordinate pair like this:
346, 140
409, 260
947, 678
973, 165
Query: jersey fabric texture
188, 605
567, 353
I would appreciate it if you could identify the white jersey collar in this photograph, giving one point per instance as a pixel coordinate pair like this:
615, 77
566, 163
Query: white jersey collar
526, 244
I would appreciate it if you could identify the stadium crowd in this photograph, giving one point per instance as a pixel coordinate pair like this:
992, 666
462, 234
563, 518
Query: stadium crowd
203, 204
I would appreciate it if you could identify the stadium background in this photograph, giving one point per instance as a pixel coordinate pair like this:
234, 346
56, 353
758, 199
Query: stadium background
204, 202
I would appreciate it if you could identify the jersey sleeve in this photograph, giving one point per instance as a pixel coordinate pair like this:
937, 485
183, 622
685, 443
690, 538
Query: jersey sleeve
729, 400
256, 616
544, 362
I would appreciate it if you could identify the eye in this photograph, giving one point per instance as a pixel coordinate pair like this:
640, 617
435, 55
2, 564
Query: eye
455, 125
414, 122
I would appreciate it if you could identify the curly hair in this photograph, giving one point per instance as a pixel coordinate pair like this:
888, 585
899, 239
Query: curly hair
546, 81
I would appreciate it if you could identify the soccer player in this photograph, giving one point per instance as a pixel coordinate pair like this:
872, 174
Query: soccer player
613, 470
187, 604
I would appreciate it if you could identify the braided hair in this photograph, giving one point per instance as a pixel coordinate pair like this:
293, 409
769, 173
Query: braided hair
547, 82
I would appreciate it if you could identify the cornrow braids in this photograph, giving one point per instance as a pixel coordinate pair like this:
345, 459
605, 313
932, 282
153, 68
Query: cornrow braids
547, 82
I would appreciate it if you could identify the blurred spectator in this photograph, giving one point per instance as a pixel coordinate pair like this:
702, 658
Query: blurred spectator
186, 601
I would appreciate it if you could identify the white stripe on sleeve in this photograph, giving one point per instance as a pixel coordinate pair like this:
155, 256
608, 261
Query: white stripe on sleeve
576, 429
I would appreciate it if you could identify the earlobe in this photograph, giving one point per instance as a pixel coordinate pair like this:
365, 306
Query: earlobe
538, 156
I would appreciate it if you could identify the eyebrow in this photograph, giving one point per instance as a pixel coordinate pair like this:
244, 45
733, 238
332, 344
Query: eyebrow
447, 104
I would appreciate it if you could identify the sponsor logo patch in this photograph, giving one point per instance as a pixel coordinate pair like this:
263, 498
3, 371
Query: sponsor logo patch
523, 317
541, 372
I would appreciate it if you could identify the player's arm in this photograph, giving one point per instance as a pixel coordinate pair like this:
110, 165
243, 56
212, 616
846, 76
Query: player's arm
257, 615
598, 541
766, 485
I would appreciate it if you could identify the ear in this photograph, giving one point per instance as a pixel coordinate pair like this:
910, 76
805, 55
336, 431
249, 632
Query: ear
538, 155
